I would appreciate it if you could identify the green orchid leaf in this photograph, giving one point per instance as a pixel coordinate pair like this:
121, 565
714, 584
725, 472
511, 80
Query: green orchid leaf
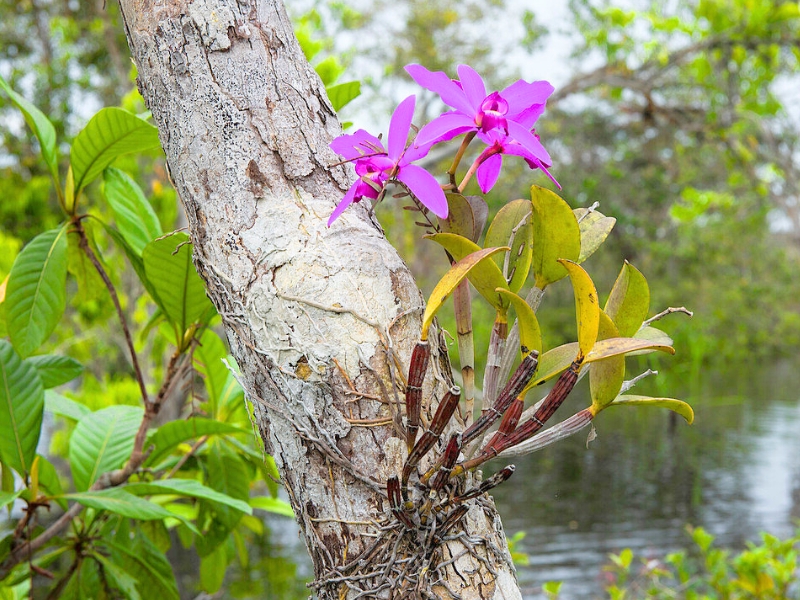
485, 275
480, 212
460, 219
653, 335
595, 228
606, 376
40, 125
189, 488
587, 306
530, 335
102, 441
21, 410
108, 134
555, 235
342, 94
678, 406
512, 227
133, 214
169, 269
55, 370
36, 291
629, 301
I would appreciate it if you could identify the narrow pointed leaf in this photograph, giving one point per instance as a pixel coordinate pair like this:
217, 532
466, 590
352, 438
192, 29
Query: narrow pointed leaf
189, 488
512, 226
7, 498
678, 406
629, 301
110, 133
342, 94
56, 404
530, 335
595, 228
485, 275
169, 268
36, 291
55, 370
587, 305
460, 219
102, 441
21, 410
273, 505
170, 435
606, 376
136, 262
133, 214
40, 125
555, 235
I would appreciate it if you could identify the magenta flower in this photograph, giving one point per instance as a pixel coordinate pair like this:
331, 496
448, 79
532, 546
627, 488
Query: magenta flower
376, 165
491, 159
512, 111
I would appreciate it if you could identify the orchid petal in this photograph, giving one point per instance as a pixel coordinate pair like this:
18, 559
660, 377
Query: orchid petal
425, 188
521, 95
473, 86
443, 128
399, 127
357, 144
346, 201
529, 141
488, 172
415, 152
533, 162
528, 117
438, 82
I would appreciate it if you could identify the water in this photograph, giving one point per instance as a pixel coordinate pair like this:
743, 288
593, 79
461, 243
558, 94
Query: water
735, 472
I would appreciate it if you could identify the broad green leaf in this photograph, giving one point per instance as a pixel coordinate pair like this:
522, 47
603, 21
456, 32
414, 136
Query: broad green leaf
678, 406
629, 301
59, 405
480, 213
212, 570
36, 291
207, 359
136, 262
49, 482
460, 219
121, 502
342, 94
228, 474
530, 335
186, 487
133, 214
170, 435
55, 370
21, 410
7, 498
595, 228
169, 268
587, 306
108, 134
144, 562
118, 577
654, 335
102, 441
555, 235
485, 275
90, 285
273, 505
606, 376
512, 227
40, 125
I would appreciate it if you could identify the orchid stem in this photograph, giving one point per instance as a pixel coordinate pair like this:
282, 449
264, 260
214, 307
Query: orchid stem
457, 160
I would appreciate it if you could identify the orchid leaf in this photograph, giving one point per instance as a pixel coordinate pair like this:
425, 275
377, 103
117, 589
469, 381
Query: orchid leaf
21, 410
587, 306
110, 133
606, 376
530, 335
480, 213
653, 334
555, 235
512, 227
40, 125
629, 301
460, 219
36, 293
485, 275
678, 406
455, 275
595, 228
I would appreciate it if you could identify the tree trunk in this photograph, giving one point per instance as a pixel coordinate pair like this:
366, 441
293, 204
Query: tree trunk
317, 318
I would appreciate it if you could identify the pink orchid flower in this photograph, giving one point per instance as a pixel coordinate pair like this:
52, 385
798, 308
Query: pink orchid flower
490, 160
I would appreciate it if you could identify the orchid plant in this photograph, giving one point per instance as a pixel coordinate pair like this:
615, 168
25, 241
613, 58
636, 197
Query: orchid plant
543, 237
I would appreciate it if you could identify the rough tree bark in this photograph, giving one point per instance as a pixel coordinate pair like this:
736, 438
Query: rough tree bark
316, 317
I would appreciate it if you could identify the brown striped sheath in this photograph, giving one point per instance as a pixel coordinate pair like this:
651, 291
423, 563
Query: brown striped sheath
449, 459
444, 411
452, 519
512, 389
493, 481
416, 375
508, 423
396, 502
